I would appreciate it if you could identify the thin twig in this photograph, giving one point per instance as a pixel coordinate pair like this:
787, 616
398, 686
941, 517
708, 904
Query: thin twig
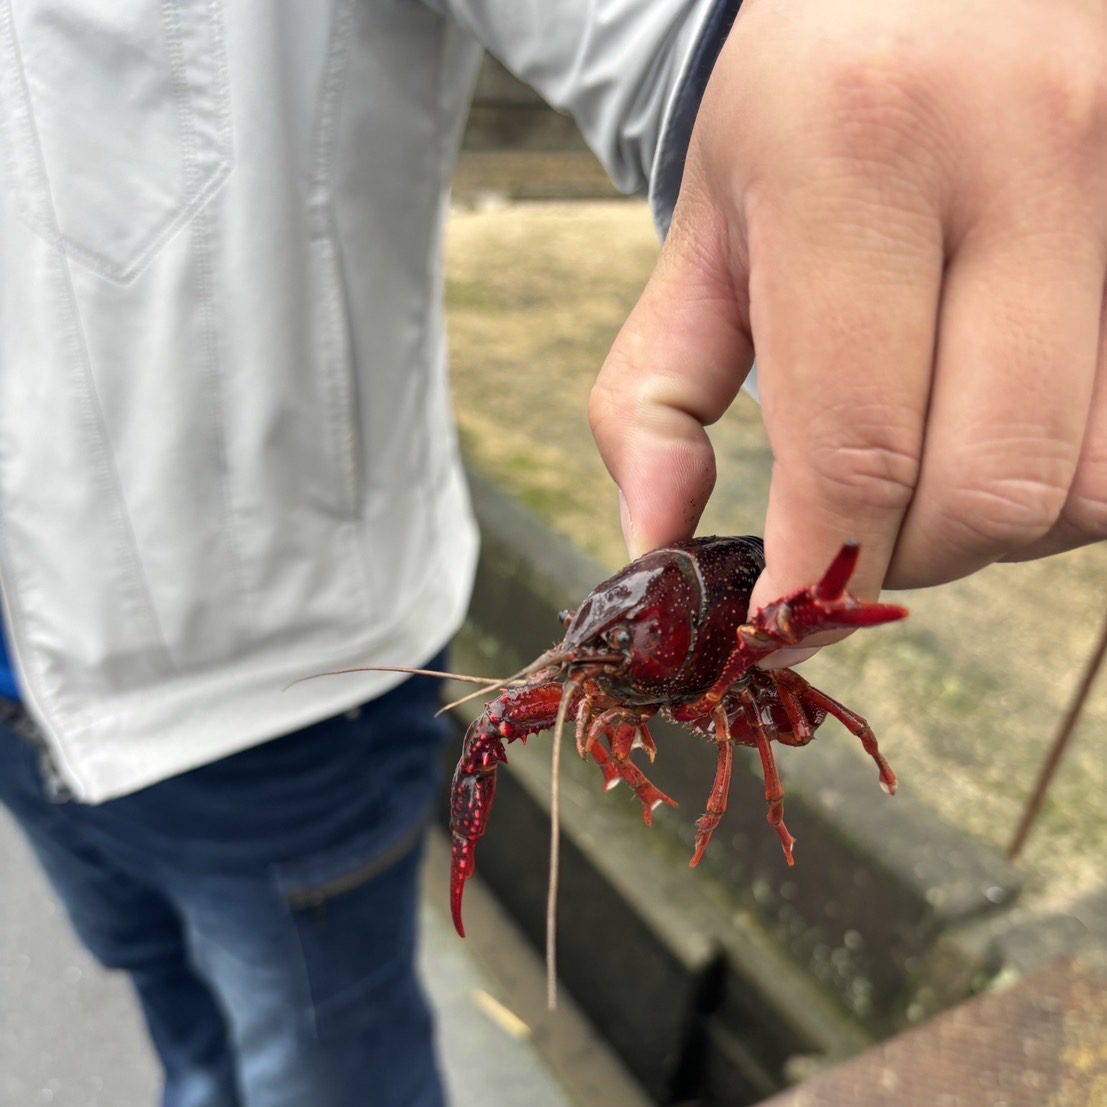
1064, 734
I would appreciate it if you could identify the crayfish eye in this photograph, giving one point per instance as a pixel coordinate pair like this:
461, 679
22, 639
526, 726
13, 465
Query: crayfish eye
618, 637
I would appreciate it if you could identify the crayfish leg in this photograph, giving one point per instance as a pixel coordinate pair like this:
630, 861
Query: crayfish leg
803, 717
645, 740
615, 769
774, 789
720, 788
812, 697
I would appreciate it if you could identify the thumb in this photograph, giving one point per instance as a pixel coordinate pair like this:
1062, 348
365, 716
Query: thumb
674, 368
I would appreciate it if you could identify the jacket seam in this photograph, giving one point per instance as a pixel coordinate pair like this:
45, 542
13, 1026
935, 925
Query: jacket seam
77, 735
205, 305
337, 351
434, 284
127, 567
123, 275
322, 160
175, 217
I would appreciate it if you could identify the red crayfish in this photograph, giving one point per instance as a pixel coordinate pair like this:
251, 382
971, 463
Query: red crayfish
670, 634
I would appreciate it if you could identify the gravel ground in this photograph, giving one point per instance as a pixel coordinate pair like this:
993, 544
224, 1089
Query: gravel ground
965, 695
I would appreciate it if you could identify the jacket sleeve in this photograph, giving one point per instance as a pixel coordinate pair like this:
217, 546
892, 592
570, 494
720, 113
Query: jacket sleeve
631, 72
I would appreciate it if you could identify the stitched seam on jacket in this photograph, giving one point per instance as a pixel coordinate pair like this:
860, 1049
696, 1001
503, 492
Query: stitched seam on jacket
322, 159
434, 281
173, 219
339, 369
202, 247
21, 131
127, 566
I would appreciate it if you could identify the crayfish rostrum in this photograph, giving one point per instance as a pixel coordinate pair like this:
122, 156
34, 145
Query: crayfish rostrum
670, 634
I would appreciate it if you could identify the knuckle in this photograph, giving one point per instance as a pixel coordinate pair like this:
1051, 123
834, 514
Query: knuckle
605, 404
1072, 98
876, 98
1005, 513
867, 476
599, 399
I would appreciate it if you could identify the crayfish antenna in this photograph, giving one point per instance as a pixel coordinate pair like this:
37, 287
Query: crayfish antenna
396, 669
495, 685
569, 690
483, 691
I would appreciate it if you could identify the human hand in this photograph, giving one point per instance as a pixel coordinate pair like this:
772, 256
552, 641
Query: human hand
903, 207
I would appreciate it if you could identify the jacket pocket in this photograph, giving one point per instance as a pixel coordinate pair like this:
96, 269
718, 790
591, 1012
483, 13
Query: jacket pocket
116, 121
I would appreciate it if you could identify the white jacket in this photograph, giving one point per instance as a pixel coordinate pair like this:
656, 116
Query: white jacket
227, 457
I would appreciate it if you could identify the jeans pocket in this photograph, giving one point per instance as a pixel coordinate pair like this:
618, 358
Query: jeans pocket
355, 915
116, 122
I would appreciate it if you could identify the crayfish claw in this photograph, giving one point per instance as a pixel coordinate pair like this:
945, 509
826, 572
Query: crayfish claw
513, 716
868, 615
703, 840
788, 843
463, 863
843, 610
835, 579
821, 607
471, 796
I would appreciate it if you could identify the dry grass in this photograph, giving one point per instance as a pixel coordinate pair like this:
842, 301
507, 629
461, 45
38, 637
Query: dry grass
966, 694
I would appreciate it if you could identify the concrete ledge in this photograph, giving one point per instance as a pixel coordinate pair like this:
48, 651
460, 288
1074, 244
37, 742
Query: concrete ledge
1040, 1041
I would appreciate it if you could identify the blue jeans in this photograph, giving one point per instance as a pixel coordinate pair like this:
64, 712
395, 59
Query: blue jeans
264, 906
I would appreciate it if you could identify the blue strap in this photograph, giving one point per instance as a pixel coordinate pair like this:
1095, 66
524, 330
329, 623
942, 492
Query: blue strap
8, 686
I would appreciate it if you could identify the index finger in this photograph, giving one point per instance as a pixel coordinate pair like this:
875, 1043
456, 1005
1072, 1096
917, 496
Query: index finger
844, 299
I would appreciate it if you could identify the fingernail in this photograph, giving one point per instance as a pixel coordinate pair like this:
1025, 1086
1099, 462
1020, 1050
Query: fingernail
630, 536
